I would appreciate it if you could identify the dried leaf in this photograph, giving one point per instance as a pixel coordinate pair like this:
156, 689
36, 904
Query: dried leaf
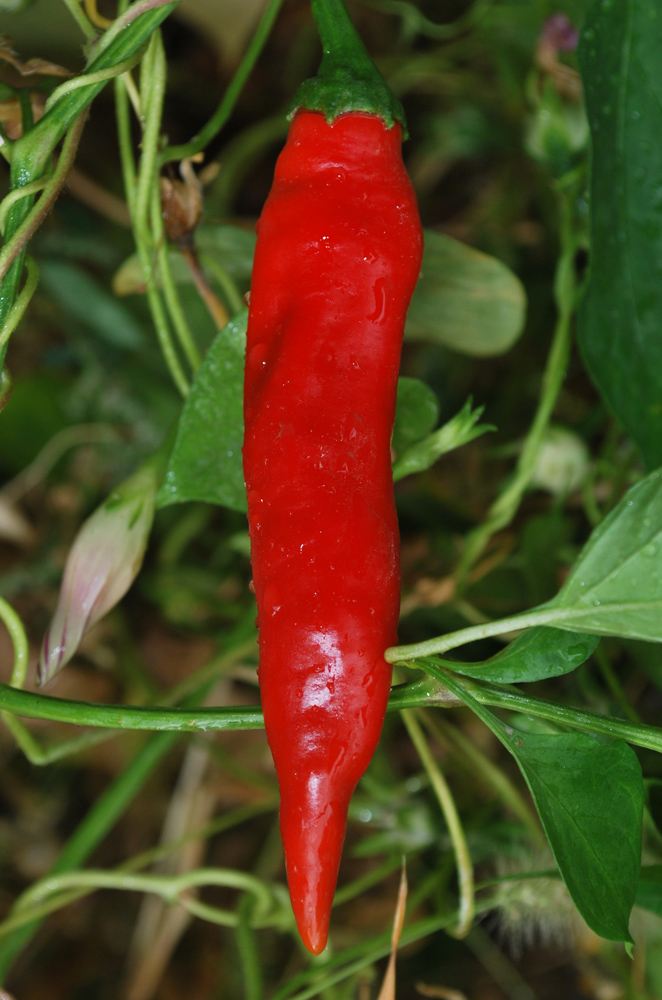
181, 203
387, 991
14, 528
439, 992
11, 116
33, 67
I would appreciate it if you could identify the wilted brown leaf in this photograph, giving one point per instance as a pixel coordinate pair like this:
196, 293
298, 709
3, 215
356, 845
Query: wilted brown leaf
33, 67
11, 117
387, 991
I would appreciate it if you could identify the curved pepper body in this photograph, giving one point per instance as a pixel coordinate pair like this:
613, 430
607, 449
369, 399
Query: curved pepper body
338, 254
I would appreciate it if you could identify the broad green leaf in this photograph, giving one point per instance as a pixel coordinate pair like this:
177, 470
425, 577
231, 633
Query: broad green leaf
416, 413
649, 890
535, 655
620, 322
465, 300
461, 429
86, 299
228, 246
615, 587
205, 463
590, 798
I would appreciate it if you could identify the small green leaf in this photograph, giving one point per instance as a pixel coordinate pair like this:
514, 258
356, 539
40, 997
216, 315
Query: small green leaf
205, 463
615, 586
416, 413
87, 300
535, 655
465, 300
590, 798
461, 429
620, 320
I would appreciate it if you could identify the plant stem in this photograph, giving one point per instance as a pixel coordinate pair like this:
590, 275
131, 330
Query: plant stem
31, 154
21, 304
13, 250
445, 798
179, 321
79, 713
546, 614
504, 508
127, 159
74, 8
482, 768
649, 737
225, 108
94, 827
347, 80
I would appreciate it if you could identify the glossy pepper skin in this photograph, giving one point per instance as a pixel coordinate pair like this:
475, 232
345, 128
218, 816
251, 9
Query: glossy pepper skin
338, 254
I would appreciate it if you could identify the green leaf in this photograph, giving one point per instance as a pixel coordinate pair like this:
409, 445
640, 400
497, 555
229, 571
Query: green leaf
535, 655
82, 296
461, 429
620, 322
205, 463
465, 300
416, 413
649, 890
615, 586
590, 798
228, 247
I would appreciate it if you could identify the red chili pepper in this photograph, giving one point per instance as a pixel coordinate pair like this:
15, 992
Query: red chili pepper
338, 254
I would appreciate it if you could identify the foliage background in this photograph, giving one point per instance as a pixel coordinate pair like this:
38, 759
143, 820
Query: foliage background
92, 398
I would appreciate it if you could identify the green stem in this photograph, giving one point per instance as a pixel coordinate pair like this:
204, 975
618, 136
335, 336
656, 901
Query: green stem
446, 801
140, 194
481, 767
16, 195
547, 614
179, 321
32, 152
169, 887
648, 737
505, 507
24, 738
76, 11
239, 155
13, 251
225, 108
230, 291
19, 639
152, 94
102, 76
79, 713
352, 960
133, 13
248, 951
347, 80
127, 158
103, 815
452, 640
18, 309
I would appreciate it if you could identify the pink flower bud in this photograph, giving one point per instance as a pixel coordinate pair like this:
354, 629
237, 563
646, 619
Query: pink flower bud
103, 563
559, 34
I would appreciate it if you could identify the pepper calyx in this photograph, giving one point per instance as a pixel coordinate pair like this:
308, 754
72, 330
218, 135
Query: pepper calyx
347, 80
